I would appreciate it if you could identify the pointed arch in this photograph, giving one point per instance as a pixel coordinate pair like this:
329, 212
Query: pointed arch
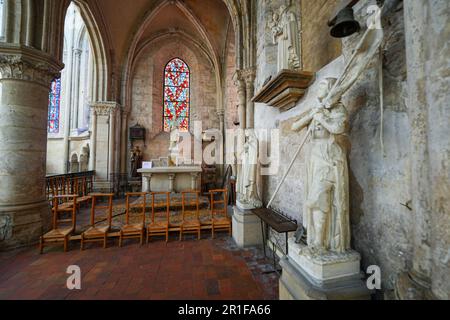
100, 45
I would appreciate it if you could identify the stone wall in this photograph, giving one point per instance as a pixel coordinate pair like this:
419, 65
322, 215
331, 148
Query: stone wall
379, 183
55, 156
318, 48
147, 92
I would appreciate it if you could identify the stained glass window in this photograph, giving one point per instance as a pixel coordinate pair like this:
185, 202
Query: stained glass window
54, 102
176, 95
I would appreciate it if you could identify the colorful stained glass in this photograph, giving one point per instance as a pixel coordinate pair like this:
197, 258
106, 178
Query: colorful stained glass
54, 103
176, 95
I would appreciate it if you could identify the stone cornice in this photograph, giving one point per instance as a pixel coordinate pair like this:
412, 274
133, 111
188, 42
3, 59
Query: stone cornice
28, 64
105, 108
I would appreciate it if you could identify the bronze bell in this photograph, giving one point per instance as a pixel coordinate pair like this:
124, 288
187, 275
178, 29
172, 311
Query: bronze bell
344, 24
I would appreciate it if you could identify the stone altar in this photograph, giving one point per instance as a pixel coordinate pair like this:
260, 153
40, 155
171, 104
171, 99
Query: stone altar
171, 179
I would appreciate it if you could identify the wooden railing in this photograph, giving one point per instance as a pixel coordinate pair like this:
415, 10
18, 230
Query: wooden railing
81, 183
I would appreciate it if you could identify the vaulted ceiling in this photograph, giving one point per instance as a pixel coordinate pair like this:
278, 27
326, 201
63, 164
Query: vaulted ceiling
131, 23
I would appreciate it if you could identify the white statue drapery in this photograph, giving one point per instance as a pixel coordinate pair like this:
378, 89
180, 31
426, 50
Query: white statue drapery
326, 208
249, 179
286, 35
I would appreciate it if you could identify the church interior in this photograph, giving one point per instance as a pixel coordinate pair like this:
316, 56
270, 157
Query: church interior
224, 150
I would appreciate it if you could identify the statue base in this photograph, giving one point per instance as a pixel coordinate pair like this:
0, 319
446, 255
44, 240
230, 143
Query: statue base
246, 228
248, 206
329, 276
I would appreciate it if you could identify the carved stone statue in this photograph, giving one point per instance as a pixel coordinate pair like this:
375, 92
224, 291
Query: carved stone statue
84, 159
248, 181
286, 35
173, 146
136, 161
326, 209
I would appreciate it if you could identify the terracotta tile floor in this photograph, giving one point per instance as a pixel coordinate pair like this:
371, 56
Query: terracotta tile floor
205, 269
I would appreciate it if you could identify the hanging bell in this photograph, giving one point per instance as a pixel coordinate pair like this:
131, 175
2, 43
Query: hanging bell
344, 24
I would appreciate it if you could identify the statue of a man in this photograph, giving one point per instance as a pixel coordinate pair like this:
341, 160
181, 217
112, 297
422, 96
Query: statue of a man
326, 209
286, 35
249, 178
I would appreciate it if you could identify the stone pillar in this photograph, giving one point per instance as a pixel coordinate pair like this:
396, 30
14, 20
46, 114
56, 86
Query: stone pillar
92, 160
249, 78
124, 142
112, 142
171, 182
240, 83
25, 83
75, 89
104, 133
147, 182
427, 54
194, 178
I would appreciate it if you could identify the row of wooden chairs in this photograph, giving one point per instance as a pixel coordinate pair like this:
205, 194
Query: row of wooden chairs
218, 219
61, 186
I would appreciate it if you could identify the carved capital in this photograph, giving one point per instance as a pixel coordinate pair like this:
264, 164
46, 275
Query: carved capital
105, 108
247, 75
29, 66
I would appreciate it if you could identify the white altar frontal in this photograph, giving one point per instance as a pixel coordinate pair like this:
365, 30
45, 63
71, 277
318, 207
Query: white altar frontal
171, 179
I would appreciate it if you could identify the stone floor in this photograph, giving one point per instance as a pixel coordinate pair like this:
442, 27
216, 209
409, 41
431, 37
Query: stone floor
191, 269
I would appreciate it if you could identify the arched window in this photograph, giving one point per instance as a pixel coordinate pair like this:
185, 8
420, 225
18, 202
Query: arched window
54, 102
176, 95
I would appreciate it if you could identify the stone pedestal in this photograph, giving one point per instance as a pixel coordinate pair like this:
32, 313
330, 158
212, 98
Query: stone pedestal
246, 228
321, 277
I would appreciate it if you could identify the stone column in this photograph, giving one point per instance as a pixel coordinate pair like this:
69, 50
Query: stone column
147, 182
104, 133
249, 78
194, 178
75, 89
112, 142
427, 55
171, 182
92, 160
124, 142
25, 83
240, 84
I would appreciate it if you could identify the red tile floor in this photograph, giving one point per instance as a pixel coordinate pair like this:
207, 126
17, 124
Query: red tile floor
191, 269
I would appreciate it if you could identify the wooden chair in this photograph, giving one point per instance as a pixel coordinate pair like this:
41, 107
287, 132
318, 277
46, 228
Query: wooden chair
190, 198
220, 219
134, 230
98, 233
159, 228
60, 234
81, 189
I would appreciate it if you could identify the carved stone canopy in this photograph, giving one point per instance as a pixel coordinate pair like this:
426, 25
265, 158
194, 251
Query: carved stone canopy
285, 90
